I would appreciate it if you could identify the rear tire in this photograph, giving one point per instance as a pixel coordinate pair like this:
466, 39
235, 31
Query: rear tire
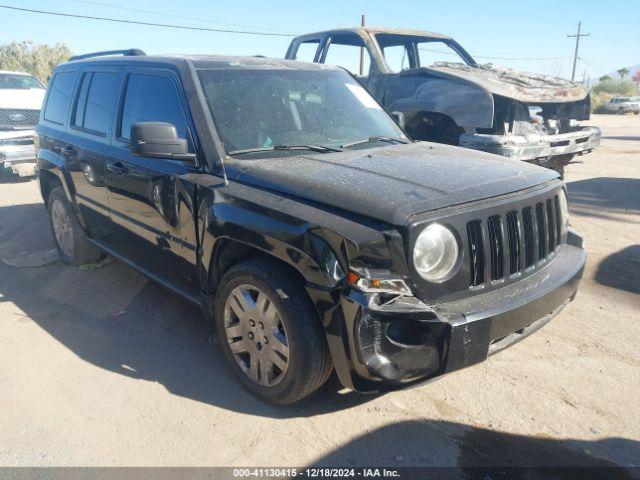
72, 244
270, 331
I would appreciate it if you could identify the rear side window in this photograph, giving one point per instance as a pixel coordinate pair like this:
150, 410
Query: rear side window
59, 98
95, 102
151, 98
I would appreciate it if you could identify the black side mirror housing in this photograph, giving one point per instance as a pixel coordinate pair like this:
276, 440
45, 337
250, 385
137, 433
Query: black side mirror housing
399, 118
159, 140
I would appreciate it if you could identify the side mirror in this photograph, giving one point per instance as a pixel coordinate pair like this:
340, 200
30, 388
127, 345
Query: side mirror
159, 140
399, 118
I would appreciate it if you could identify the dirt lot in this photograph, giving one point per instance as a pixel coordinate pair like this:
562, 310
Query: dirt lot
103, 367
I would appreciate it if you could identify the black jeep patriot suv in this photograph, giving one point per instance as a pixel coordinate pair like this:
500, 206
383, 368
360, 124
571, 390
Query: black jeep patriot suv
282, 198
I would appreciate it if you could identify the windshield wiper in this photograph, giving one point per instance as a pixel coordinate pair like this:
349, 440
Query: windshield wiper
314, 148
377, 138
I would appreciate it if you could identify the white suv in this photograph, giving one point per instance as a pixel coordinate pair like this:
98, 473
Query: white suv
623, 105
21, 96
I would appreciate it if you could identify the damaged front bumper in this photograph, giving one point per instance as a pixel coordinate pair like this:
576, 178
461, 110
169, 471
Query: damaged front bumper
17, 152
403, 343
533, 146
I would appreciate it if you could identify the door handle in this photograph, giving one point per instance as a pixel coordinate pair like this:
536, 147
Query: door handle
118, 168
69, 152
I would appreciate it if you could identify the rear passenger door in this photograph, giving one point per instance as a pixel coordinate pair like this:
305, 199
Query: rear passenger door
90, 128
151, 208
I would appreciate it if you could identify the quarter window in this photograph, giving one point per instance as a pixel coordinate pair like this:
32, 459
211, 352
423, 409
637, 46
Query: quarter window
95, 102
59, 98
151, 98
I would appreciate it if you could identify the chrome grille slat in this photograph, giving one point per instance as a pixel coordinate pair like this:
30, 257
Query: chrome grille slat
513, 236
501, 246
476, 253
541, 223
494, 225
551, 226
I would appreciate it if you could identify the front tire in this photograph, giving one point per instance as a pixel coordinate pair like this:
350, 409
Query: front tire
270, 332
72, 244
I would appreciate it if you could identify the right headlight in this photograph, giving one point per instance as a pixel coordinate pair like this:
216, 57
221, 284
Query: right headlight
435, 253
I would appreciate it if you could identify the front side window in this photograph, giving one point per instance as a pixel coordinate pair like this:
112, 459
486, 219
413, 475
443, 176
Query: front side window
11, 81
151, 98
95, 101
344, 51
263, 108
431, 53
59, 100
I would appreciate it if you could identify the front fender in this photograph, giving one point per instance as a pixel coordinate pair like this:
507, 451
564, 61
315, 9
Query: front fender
319, 244
469, 105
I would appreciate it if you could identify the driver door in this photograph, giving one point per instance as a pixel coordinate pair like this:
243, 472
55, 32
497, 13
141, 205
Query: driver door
151, 206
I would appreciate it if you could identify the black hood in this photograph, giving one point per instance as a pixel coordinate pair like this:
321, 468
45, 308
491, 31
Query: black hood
391, 183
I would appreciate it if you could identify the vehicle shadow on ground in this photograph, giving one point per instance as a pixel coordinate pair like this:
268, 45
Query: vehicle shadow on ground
631, 138
602, 196
621, 270
6, 177
481, 453
116, 319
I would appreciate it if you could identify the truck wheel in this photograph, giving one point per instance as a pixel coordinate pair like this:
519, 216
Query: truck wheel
73, 246
270, 332
621, 111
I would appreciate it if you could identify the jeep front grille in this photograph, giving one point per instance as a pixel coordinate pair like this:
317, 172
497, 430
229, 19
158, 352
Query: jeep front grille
13, 117
504, 245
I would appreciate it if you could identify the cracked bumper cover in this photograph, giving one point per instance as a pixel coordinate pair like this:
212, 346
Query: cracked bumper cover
531, 147
408, 342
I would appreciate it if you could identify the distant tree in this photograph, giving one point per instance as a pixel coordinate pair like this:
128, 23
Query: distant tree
39, 60
623, 72
636, 78
605, 78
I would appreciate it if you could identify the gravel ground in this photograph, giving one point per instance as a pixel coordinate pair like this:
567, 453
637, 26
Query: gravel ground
101, 367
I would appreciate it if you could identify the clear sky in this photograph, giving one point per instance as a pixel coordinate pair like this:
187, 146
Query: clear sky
502, 29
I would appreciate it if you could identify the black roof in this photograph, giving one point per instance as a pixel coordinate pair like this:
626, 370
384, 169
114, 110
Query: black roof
201, 61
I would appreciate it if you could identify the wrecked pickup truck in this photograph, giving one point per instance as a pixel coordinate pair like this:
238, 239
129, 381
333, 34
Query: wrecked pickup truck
447, 97
21, 97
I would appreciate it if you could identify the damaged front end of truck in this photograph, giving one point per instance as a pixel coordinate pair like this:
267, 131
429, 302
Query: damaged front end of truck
536, 117
447, 97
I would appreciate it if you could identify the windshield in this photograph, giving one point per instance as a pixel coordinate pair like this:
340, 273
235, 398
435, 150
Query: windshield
11, 81
260, 108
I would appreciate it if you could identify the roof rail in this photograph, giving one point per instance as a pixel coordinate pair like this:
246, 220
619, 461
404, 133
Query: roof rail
132, 52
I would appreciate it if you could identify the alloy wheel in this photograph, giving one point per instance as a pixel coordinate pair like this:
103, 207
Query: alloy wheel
62, 227
257, 335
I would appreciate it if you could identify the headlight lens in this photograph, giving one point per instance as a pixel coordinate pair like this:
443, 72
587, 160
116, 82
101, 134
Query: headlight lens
564, 208
435, 254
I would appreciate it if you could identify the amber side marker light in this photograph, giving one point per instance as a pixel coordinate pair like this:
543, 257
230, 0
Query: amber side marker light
378, 285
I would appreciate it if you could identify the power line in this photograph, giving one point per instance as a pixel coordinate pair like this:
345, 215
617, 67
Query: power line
148, 24
172, 15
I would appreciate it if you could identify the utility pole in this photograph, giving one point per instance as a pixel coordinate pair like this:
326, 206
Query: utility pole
362, 50
575, 55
